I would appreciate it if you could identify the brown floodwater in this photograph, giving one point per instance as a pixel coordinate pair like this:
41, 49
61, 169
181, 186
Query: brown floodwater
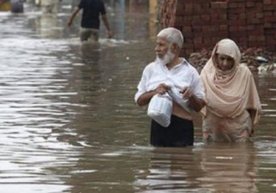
68, 122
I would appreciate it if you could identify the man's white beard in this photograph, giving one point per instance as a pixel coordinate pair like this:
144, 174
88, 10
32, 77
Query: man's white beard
167, 58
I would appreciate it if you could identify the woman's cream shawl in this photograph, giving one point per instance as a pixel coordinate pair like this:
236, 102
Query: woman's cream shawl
230, 93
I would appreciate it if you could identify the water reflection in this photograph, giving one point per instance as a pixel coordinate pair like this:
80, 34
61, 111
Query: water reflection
229, 167
90, 53
170, 170
210, 168
48, 26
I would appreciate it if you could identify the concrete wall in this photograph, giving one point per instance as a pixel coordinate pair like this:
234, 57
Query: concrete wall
251, 23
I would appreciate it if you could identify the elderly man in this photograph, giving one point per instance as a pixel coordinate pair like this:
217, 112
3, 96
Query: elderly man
173, 75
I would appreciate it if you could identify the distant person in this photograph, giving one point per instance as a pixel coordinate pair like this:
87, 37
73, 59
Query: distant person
233, 103
17, 6
169, 74
90, 21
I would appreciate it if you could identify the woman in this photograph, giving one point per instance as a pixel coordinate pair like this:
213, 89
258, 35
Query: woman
233, 104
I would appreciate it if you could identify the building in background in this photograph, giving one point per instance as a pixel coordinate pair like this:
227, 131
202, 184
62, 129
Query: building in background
5, 5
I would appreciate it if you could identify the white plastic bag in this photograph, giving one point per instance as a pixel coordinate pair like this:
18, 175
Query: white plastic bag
177, 97
160, 109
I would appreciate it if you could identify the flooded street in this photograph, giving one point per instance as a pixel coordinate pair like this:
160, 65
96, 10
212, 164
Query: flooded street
68, 122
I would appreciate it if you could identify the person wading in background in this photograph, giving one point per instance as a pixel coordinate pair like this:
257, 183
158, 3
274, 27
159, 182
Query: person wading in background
92, 10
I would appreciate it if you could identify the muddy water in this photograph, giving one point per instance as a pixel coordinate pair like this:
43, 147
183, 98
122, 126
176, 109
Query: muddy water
69, 123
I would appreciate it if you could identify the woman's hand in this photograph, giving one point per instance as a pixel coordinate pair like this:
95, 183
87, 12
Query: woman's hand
186, 93
194, 102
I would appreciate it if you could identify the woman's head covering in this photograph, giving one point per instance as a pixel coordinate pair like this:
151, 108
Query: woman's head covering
229, 93
227, 47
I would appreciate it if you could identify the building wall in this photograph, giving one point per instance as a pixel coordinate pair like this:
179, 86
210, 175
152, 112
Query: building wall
251, 23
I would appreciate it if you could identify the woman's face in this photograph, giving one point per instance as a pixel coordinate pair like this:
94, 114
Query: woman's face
224, 62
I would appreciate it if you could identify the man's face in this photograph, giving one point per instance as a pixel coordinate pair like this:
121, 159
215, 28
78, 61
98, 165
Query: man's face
163, 51
161, 48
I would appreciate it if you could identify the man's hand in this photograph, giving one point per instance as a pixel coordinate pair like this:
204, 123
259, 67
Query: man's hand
109, 34
69, 23
162, 88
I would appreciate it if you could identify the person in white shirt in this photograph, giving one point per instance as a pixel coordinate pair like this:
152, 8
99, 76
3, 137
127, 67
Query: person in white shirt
172, 75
